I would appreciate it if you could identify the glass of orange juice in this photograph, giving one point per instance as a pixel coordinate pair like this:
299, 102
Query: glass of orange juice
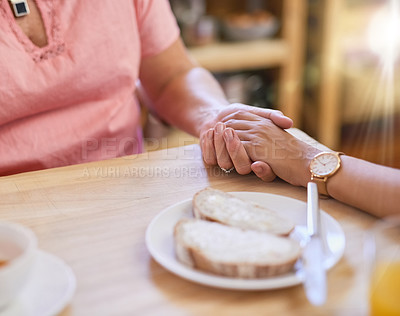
383, 250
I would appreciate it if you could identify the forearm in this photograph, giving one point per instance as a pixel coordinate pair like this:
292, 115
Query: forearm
188, 96
370, 187
190, 99
367, 186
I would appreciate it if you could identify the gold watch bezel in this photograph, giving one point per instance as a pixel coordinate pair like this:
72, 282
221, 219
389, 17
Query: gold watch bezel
321, 180
339, 161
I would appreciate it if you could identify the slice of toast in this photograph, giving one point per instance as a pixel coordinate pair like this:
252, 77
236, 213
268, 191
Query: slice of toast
233, 252
218, 206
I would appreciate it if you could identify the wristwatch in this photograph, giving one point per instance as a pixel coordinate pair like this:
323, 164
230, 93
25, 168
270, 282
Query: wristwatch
323, 166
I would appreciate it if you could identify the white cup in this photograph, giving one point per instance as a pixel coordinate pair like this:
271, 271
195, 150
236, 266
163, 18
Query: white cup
18, 248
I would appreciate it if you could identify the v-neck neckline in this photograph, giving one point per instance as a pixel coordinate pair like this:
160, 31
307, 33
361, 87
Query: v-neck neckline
51, 25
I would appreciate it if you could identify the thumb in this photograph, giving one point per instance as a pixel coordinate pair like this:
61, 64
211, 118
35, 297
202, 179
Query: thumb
263, 171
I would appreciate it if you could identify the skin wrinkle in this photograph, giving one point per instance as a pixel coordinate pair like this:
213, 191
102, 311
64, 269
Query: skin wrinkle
235, 150
223, 158
239, 158
258, 142
370, 187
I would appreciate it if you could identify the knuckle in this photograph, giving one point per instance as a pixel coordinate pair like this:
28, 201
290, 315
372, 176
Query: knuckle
225, 164
238, 114
209, 160
235, 105
243, 170
229, 122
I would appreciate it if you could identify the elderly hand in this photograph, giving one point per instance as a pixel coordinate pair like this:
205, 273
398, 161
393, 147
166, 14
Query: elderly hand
227, 155
263, 141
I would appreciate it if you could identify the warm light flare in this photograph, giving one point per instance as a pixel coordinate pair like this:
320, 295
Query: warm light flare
380, 94
384, 33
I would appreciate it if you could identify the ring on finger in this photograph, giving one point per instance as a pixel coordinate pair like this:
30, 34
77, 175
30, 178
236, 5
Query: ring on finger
227, 170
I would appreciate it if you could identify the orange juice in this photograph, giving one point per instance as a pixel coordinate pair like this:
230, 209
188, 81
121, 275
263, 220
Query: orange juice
385, 289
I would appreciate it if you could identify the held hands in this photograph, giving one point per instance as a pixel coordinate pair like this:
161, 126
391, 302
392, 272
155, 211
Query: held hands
228, 152
263, 141
221, 146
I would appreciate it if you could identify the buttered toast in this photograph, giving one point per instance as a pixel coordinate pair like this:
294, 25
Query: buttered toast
233, 252
218, 206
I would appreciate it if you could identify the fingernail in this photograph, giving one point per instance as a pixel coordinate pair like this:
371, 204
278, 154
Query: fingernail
210, 134
219, 128
228, 135
257, 168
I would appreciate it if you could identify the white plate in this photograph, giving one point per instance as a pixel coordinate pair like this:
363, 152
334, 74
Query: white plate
160, 243
48, 291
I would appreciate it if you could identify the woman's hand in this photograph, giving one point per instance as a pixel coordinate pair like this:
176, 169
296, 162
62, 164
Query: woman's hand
263, 141
215, 149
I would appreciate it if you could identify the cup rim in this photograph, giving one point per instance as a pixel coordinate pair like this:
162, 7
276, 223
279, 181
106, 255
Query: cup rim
370, 236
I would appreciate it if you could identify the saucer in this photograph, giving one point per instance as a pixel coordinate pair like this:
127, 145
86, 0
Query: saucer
48, 291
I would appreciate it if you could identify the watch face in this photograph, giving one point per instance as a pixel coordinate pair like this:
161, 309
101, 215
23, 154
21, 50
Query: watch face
324, 164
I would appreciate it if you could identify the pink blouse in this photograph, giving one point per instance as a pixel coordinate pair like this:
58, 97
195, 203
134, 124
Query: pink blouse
73, 100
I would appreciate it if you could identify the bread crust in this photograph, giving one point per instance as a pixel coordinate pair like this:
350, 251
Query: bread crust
195, 258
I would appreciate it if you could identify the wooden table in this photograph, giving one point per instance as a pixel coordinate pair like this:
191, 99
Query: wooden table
94, 217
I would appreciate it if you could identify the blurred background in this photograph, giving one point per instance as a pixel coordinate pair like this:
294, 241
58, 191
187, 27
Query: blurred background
333, 66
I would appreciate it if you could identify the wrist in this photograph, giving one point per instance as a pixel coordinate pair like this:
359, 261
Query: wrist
297, 167
304, 168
